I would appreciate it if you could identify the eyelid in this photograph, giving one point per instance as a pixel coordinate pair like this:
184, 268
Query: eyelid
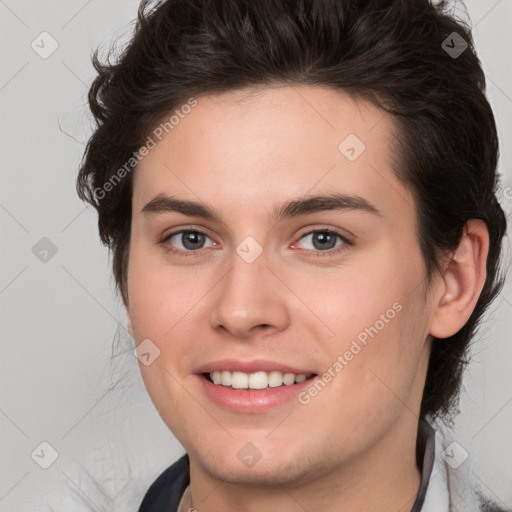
343, 233
181, 229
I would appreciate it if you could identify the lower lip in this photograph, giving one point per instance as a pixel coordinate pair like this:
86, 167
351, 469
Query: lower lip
252, 400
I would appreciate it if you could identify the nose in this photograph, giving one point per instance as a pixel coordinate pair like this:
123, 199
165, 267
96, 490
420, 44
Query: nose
250, 300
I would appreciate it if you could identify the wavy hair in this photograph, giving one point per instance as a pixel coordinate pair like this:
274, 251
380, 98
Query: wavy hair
398, 54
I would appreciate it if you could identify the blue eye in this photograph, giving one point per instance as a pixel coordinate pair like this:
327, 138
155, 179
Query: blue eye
191, 240
326, 242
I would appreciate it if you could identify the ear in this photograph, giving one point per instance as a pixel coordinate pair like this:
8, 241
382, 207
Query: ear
462, 282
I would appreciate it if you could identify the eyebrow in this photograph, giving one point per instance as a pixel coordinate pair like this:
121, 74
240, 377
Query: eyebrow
293, 208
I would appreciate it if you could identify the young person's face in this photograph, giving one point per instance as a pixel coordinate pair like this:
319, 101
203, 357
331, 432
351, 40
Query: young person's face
354, 310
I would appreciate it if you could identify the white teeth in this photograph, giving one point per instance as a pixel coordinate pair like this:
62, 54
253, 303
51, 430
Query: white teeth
257, 380
288, 379
225, 378
275, 379
239, 380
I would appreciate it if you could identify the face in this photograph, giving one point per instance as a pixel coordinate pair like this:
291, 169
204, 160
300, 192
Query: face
300, 261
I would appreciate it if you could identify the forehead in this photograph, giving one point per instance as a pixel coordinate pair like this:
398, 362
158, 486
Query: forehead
264, 145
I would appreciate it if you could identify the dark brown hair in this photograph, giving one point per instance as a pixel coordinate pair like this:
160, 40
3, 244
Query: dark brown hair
408, 57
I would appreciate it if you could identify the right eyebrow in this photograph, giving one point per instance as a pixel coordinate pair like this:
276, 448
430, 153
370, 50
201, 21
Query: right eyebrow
167, 204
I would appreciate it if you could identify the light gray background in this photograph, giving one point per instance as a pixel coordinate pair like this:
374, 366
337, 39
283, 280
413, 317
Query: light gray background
59, 317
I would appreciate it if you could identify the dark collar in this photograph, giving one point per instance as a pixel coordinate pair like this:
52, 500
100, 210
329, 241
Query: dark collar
166, 491
425, 454
164, 494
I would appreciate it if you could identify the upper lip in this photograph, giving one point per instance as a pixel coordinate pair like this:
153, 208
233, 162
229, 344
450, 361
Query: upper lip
255, 365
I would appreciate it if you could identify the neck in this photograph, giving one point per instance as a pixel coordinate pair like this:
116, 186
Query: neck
384, 477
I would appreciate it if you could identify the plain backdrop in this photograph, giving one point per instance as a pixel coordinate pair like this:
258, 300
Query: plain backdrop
59, 315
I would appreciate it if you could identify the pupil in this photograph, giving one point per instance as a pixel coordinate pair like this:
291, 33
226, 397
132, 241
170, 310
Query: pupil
326, 240
191, 238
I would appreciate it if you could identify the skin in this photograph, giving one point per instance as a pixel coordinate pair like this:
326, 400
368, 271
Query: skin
352, 447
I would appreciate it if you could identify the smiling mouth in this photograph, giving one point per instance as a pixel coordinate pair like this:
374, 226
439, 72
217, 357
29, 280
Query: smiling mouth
257, 380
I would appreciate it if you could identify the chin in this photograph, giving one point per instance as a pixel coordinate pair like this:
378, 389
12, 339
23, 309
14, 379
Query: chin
266, 466
262, 474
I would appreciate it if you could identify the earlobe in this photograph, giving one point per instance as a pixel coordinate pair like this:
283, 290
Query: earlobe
462, 282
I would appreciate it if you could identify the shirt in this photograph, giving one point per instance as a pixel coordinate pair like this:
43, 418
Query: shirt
443, 487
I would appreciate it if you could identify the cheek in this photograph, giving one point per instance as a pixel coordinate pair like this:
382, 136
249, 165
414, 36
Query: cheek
162, 298
162, 311
379, 320
353, 301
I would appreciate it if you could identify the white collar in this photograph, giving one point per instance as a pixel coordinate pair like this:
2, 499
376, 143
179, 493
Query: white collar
452, 487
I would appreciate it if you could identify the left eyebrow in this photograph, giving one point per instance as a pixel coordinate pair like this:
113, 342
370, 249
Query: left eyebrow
320, 203
293, 208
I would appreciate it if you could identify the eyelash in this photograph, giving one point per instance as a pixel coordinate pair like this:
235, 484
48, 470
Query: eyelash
319, 254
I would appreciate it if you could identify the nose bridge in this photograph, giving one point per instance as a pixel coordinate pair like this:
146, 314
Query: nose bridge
249, 296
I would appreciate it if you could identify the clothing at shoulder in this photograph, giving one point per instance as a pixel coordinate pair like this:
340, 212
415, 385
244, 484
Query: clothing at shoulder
166, 491
452, 487
442, 488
